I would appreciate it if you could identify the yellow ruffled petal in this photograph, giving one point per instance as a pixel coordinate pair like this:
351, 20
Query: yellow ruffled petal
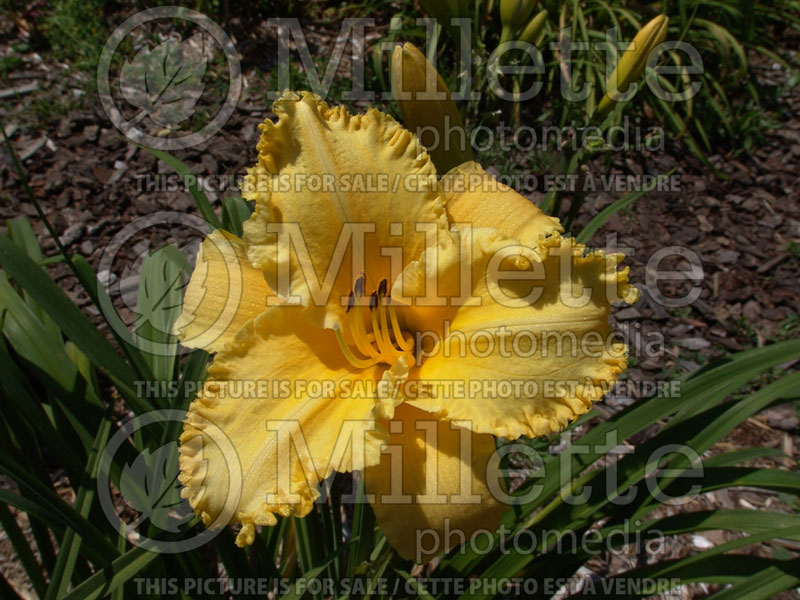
530, 355
331, 180
473, 196
282, 410
224, 292
430, 488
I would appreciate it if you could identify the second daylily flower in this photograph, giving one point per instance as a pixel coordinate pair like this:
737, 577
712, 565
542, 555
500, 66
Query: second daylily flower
360, 269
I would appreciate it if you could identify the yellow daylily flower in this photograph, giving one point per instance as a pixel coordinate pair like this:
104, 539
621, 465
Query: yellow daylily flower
333, 355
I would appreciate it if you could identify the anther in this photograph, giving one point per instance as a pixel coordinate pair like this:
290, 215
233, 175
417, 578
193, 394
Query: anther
358, 286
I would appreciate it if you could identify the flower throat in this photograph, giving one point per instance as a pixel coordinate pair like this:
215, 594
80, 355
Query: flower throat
372, 326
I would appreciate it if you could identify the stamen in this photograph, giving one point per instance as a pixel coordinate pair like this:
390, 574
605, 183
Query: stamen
376, 346
358, 286
358, 330
405, 344
385, 346
360, 363
385, 326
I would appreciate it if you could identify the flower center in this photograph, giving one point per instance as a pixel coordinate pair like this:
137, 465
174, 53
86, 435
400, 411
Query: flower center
371, 333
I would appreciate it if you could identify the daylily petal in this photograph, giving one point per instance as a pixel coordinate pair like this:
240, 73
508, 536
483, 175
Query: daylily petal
224, 292
430, 488
330, 177
532, 354
284, 434
473, 196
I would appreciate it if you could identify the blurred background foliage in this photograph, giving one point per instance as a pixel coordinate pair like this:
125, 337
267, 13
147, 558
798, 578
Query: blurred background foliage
732, 108
729, 114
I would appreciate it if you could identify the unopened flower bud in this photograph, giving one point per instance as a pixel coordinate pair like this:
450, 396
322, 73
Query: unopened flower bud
428, 108
534, 28
633, 61
514, 14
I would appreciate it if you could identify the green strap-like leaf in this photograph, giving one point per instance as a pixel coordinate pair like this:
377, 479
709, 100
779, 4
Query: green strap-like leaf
708, 565
190, 181
57, 520
71, 320
23, 550
737, 457
21, 233
112, 577
747, 521
363, 528
71, 544
765, 584
104, 304
50, 502
235, 211
598, 220
20, 397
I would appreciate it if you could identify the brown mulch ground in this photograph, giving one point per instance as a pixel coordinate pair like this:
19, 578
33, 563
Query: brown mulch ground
90, 181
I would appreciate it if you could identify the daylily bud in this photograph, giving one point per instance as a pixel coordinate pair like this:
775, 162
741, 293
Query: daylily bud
534, 28
633, 61
428, 108
513, 15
